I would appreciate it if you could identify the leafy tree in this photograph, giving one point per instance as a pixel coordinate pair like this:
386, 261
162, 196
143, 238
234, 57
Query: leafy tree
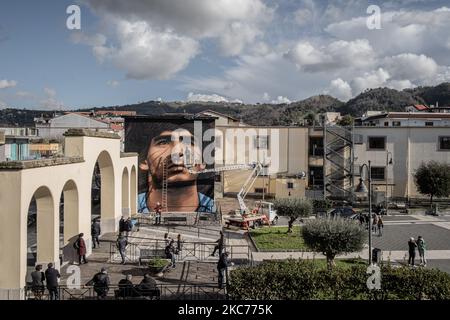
433, 179
333, 237
310, 118
345, 121
293, 208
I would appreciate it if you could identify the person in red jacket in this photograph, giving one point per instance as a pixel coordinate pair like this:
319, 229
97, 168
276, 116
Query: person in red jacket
80, 245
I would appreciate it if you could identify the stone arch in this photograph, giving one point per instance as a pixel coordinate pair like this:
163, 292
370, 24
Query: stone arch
47, 226
107, 193
71, 219
133, 190
125, 192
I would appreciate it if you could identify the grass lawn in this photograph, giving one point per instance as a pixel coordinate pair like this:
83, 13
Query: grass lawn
276, 238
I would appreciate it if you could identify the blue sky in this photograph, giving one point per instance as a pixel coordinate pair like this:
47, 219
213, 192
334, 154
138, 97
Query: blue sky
234, 50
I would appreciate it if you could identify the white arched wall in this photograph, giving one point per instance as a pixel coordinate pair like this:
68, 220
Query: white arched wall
125, 193
133, 191
71, 219
47, 179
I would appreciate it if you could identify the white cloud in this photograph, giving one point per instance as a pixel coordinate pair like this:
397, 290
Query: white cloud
340, 89
336, 55
4, 84
113, 83
50, 101
146, 53
281, 100
303, 16
205, 98
266, 97
24, 94
234, 23
411, 66
370, 80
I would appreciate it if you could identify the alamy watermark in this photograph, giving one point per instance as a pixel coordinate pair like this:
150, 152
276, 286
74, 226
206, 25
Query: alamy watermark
73, 22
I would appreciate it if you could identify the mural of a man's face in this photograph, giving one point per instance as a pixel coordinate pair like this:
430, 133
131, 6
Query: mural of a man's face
170, 147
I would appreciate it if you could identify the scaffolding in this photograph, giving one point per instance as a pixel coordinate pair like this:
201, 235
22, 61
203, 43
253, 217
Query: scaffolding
338, 169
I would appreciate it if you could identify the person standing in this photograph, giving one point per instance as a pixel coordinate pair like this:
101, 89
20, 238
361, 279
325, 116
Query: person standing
122, 225
122, 246
375, 223
222, 267
80, 246
128, 226
421, 246
52, 276
412, 245
380, 226
170, 253
158, 209
179, 244
37, 282
167, 239
95, 232
220, 245
100, 281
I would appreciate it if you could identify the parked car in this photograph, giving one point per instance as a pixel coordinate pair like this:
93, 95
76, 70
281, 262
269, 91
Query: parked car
343, 212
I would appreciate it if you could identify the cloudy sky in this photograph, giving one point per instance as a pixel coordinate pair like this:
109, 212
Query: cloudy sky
222, 50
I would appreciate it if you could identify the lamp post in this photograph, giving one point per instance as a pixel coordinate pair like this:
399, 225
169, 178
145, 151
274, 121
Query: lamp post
388, 162
363, 189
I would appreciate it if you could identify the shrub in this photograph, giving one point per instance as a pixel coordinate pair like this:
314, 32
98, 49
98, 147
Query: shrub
293, 208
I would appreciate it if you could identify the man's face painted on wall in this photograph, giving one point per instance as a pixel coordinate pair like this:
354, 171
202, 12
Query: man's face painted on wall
171, 147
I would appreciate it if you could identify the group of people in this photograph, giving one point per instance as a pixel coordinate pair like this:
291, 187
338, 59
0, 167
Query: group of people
420, 245
171, 250
377, 223
146, 288
48, 279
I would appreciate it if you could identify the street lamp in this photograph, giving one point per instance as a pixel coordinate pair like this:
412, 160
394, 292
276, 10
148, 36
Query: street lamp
388, 162
361, 188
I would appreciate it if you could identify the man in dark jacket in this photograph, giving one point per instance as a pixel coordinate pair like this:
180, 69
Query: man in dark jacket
220, 245
80, 246
222, 266
37, 284
147, 287
126, 288
170, 252
128, 226
122, 246
412, 245
52, 275
95, 233
122, 225
101, 283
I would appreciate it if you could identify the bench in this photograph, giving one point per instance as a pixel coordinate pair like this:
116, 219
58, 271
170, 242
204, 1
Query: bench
175, 219
147, 254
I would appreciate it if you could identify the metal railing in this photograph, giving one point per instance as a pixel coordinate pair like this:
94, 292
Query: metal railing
190, 251
207, 291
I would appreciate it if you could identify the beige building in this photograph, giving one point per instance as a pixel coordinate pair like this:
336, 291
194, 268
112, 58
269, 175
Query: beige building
45, 181
284, 149
409, 139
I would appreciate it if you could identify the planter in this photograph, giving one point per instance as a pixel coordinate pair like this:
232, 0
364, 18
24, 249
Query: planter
158, 266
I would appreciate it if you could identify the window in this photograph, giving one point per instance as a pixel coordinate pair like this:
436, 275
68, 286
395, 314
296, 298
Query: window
290, 185
377, 173
316, 146
444, 143
377, 143
261, 142
260, 190
386, 124
429, 123
315, 180
396, 123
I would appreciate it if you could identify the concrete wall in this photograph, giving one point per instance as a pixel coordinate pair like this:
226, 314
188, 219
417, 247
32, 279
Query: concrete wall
410, 146
46, 182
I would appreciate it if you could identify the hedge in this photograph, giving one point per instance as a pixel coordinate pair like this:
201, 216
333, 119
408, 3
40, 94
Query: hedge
306, 280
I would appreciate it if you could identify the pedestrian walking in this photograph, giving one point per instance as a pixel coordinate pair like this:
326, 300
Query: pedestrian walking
421, 246
220, 245
95, 233
37, 282
375, 223
170, 252
179, 244
52, 277
122, 244
100, 281
412, 245
80, 246
122, 225
380, 226
158, 209
222, 266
